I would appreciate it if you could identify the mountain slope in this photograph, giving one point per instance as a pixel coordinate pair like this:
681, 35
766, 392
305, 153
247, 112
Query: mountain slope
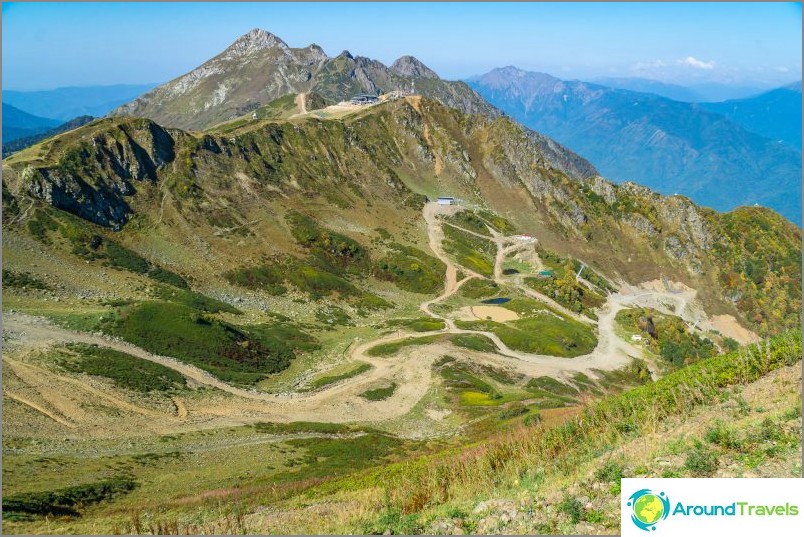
19, 124
666, 145
259, 67
70, 102
119, 172
775, 114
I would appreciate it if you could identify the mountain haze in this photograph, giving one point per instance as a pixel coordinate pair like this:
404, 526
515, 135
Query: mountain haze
71, 102
19, 124
667, 145
774, 114
259, 68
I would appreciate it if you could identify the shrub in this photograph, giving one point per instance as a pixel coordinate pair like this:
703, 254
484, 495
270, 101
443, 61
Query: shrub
124, 370
229, 352
572, 507
701, 461
65, 501
379, 394
411, 269
22, 279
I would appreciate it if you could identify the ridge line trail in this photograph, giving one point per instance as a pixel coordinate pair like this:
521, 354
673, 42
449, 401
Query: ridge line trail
300, 102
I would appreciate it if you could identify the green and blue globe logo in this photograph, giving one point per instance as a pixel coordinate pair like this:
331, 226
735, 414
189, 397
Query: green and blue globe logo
648, 508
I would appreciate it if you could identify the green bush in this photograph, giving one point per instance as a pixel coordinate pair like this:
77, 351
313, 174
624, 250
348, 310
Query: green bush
379, 394
470, 221
388, 349
470, 251
330, 248
723, 436
121, 257
166, 276
22, 279
421, 324
479, 288
359, 369
513, 411
542, 334
475, 342
194, 300
242, 355
124, 370
66, 501
411, 269
572, 507
267, 277
701, 461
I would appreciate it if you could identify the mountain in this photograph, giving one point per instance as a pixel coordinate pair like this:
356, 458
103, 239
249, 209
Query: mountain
70, 102
259, 68
775, 114
111, 172
647, 85
691, 93
27, 141
274, 311
667, 145
19, 124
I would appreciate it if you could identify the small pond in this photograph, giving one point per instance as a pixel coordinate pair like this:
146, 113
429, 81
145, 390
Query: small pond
498, 300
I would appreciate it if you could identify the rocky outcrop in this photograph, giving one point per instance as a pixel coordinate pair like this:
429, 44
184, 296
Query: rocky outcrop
411, 67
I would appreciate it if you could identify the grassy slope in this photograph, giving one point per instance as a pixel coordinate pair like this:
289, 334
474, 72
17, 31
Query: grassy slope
671, 427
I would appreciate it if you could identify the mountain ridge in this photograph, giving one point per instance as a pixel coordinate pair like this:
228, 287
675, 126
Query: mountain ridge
103, 172
664, 144
259, 67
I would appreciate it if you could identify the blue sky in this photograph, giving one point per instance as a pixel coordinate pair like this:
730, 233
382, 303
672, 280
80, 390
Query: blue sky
48, 45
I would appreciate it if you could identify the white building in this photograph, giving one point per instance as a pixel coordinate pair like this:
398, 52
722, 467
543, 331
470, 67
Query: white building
444, 200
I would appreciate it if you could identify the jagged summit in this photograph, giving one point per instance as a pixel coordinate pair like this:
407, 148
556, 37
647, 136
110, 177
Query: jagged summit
259, 67
253, 41
412, 67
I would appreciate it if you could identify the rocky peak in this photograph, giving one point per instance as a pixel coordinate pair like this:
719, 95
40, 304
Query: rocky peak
254, 41
412, 67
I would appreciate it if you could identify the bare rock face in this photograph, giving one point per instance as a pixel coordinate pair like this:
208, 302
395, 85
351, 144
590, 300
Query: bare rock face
411, 67
254, 41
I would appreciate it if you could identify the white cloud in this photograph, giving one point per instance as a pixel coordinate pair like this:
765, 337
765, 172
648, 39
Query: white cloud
695, 63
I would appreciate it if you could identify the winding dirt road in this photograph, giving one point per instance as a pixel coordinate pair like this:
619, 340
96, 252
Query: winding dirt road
410, 369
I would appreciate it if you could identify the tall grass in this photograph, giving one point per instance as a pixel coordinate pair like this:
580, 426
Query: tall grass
475, 471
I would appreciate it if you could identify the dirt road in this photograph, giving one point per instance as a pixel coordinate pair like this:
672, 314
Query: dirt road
410, 369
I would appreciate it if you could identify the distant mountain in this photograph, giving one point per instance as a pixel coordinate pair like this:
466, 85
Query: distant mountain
19, 124
68, 103
259, 68
27, 141
718, 91
692, 93
775, 114
646, 85
670, 146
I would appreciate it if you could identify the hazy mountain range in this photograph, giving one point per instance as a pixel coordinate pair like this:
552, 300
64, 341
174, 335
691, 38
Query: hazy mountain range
670, 146
19, 124
70, 102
